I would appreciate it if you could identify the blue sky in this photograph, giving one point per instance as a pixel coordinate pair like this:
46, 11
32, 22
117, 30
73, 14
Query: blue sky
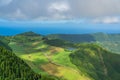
59, 16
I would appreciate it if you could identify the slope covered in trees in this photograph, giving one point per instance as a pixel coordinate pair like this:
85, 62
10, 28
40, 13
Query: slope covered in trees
13, 68
2, 44
96, 62
79, 38
108, 41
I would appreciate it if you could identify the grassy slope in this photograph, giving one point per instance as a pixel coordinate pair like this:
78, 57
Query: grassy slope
97, 62
41, 60
64, 72
40, 55
19, 49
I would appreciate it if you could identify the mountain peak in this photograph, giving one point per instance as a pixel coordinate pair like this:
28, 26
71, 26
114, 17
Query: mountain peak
29, 33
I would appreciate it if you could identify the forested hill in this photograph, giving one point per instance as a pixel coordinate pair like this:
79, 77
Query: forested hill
96, 62
5, 45
86, 37
13, 68
29, 33
108, 41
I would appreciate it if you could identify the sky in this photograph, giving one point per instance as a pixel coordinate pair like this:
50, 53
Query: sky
52, 16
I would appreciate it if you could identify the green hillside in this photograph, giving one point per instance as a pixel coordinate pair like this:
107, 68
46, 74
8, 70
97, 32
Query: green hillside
5, 45
58, 59
96, 62
26, 42
13, 68
76, 38
46, 56
108, 41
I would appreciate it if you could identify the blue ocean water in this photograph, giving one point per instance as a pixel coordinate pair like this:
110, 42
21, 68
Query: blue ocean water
9, 28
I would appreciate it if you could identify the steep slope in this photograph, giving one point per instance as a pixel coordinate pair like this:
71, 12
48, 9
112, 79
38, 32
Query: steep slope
96, 62
12, 67
2, 44
109, 41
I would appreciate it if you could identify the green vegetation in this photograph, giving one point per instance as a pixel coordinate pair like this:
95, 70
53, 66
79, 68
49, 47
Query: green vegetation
43, 52
56, 57
5, 46
108, 41
76, 38
96, 62
64, 72
58, 43
13, 68
26, 42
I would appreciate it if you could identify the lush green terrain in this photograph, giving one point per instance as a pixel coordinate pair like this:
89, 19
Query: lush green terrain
96, 62
108, 41
66, 59
13, 68
4, 43
40, 53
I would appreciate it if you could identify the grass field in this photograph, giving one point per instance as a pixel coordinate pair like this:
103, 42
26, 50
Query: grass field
40, 63
63, 59
64, 72
49, 60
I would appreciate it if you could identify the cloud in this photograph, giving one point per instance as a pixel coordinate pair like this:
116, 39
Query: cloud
95, 8
5, 2
18, 14
59, 9
107, 20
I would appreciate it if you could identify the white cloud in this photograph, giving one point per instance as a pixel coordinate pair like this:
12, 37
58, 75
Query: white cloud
5, 2
95, 8
58, 10
107, 20
58, 7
